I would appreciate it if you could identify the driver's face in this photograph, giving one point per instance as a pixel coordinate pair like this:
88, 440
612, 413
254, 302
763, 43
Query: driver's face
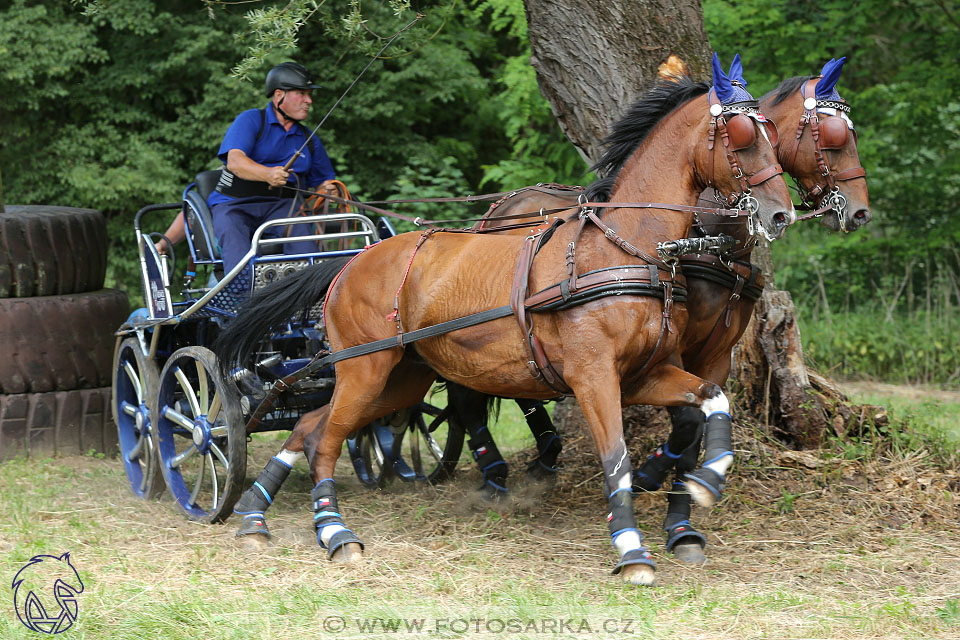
296, 103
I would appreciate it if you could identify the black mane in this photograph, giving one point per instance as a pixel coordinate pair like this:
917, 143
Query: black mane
640, 119
786, 88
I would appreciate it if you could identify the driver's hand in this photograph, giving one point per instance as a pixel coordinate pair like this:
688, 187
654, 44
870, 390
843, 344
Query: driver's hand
277, 176
161, 247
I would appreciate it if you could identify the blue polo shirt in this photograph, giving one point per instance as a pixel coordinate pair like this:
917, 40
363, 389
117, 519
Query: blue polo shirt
275, 148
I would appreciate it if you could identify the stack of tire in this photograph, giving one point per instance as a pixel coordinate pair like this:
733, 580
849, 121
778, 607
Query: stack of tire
56, 332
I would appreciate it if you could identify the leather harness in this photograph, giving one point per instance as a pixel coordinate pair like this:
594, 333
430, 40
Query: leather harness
829, 178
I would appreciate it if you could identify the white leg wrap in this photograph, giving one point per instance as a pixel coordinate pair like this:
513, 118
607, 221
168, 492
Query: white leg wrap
289, 457
721, 465
627, 541
712, 405
327, 532
625, 482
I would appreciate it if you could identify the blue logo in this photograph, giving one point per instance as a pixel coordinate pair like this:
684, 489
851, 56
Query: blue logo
45, 593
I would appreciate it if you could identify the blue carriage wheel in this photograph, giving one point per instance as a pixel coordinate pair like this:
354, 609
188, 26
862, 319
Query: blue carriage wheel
368, 457
432, 443
200, 435
134, 392
418, 443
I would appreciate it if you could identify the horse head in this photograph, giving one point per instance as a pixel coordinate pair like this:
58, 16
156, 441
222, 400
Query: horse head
739, 159
821, 153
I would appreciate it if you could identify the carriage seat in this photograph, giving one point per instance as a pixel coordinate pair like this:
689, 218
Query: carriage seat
200, 220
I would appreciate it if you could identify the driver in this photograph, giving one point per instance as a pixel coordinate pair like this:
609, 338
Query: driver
254, 187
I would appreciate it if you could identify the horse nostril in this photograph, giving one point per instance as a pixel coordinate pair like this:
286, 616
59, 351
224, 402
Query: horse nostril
862, 216
780, 218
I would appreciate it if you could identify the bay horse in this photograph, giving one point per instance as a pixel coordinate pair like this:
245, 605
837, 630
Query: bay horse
607, 308
818, 148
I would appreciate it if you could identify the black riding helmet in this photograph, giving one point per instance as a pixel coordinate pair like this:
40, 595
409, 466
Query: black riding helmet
288, 76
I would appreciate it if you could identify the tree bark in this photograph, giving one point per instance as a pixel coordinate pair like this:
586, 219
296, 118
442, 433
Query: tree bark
593, 59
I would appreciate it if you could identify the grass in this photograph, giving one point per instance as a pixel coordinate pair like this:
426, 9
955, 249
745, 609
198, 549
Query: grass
803, 564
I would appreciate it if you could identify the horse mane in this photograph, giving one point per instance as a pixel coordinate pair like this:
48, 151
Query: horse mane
786, 88
633, 128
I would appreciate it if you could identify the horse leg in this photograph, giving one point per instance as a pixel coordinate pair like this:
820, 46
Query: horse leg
549, 446
660, 387
367, 389
685, 542
255, 501
687, 428
600, 403
472, 411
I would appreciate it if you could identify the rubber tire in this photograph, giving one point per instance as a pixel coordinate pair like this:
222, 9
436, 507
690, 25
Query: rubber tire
59, 343
56, 423
48, 251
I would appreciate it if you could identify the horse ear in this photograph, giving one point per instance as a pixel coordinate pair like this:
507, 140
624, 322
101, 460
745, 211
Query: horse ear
721, 83
736, 70
830, 75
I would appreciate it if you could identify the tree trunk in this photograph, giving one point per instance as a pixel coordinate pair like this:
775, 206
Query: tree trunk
593, 59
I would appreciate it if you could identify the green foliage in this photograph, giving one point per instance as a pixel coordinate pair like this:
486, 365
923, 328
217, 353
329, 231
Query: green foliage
873, 303
901, 79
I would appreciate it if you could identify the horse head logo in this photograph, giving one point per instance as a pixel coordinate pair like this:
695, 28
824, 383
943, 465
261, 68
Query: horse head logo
45, 594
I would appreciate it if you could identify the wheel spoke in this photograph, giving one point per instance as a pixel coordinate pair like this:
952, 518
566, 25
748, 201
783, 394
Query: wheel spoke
433, 446
134, 379
128, 408
188, 391
213, 412
184, 455
223, 459
137, 448
203, 383
144, 475
414, 436
219, 431
196, 487
216, 488
175, 416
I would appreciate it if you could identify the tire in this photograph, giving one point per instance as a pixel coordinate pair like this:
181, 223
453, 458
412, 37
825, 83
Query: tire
420, 443
47, 251
134, 392
59, 343
190, 445
56, 423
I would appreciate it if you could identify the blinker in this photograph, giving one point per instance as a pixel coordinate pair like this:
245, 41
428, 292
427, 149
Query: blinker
833, 132
741, 131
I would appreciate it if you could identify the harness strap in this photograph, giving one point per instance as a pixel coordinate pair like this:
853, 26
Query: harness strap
746, 285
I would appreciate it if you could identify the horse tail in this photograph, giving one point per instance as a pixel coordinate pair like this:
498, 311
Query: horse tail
271, 307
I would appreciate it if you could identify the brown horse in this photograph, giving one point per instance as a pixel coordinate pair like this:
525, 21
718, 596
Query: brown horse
722, 293
608, 351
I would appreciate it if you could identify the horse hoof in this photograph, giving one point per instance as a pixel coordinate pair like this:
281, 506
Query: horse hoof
254, 541
641, 574
348, 553
700, 494
689, 552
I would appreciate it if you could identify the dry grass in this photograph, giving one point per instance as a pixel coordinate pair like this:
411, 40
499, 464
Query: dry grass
803, 546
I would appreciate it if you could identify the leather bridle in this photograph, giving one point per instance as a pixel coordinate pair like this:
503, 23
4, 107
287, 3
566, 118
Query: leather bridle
743, 199
825, 194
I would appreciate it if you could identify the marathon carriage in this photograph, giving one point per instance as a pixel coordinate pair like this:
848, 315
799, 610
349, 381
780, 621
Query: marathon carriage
184, 426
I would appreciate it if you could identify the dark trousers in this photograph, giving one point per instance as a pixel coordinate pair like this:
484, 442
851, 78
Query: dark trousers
234, 223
